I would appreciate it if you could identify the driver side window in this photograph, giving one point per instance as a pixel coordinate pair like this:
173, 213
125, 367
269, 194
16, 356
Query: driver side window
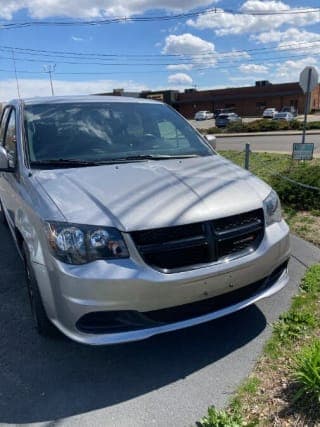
3, 124
10, 141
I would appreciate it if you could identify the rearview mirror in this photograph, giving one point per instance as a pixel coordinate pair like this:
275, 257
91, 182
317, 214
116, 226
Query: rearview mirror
211, 140
4, 162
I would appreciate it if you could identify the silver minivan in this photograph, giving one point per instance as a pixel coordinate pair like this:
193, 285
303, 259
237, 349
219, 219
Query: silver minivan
128, 221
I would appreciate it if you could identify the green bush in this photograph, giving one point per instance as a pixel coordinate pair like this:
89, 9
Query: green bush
307, 372
220, 418
296, 125
313, 125
236, 127
295, 195
293, 324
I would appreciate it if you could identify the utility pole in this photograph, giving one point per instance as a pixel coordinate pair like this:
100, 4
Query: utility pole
50, 69
15, 73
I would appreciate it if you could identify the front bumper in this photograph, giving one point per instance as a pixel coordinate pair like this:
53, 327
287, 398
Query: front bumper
71, 292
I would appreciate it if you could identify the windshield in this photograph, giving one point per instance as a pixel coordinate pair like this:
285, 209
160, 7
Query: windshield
94, 132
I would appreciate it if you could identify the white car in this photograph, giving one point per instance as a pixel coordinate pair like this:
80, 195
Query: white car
203, 115
284, 116
269, 113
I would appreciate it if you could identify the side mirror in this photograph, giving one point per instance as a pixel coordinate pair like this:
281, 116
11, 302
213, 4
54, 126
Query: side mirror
4, 162
212, 140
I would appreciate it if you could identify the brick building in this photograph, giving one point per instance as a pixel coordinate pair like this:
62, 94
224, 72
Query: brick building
246, 101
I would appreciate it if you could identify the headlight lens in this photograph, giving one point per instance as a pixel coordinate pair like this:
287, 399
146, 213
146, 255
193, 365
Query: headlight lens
80, 244
272, 208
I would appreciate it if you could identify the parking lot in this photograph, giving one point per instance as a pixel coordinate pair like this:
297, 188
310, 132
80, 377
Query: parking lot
206, 124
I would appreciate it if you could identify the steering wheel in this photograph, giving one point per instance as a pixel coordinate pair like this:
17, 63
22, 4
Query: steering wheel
151, 141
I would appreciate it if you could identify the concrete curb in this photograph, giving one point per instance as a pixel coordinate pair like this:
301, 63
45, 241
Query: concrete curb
284, 133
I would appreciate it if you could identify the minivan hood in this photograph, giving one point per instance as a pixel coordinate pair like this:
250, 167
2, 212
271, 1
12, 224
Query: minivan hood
152, 194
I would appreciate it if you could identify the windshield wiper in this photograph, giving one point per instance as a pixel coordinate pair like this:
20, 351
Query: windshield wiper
154, 157
64, 162
79, 162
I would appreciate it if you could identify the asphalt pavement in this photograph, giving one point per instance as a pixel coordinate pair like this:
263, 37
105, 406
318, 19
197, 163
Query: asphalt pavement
168, 380
270, 143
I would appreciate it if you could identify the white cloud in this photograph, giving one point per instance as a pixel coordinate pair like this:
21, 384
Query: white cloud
253, 69
41, 87
180, 79
179, 67
94, 8
77, 39
294, 41
290, 70
200, 52
227, 23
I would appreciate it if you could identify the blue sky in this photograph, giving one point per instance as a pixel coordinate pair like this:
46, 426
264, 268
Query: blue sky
205, 51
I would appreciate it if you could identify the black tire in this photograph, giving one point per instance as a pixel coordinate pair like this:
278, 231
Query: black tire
2, 216
39, 315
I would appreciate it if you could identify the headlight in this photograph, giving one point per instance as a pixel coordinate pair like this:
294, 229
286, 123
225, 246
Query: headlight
272, 208
80, 244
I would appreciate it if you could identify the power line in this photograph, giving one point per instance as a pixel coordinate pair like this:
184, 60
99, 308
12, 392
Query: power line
199, 68
117, 20
91, 55
195, 64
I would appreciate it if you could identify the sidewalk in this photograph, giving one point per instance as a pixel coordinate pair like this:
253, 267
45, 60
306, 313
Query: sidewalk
274, 133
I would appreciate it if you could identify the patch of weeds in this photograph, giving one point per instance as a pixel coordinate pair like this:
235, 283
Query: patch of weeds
221, 418
311, 281
250, 385
306, 372
293, 324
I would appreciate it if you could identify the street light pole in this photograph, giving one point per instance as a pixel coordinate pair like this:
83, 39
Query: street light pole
50, 69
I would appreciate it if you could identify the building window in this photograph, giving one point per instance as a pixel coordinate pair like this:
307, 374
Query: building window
261, 105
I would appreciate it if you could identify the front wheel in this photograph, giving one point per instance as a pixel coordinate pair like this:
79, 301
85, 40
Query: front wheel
39, 315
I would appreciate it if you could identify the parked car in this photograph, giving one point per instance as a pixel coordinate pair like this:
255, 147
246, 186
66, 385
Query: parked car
269, 113
284, 116
289, 109
224, 119
129, 224
219, 111
203, 115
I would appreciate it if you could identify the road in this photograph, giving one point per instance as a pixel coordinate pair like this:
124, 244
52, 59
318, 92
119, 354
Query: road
272, 143
168, 380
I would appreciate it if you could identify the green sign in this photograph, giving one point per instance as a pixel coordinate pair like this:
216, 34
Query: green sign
302, 151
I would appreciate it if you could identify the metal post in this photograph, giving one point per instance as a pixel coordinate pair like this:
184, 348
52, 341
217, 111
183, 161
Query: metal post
15, 73
306, 107
50, 75
247, 156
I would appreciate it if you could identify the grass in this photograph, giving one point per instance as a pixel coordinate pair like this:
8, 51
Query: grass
284, 387
307, 372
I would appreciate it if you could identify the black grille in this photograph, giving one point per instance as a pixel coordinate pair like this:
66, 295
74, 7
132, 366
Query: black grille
186, 246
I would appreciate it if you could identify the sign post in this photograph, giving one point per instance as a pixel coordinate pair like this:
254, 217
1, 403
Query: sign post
308, 81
